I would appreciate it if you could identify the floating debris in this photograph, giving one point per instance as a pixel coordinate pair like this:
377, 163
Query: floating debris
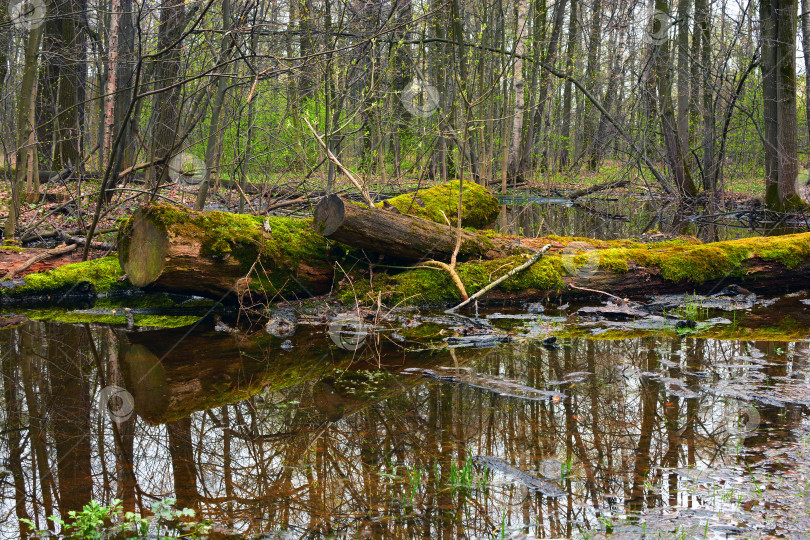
496, 385
532, 482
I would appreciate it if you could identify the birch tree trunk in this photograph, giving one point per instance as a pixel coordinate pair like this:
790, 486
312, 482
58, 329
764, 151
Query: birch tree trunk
571, 49
515, 145
112, 78
805, 17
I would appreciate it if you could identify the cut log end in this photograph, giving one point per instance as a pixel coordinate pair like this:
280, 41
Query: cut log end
143, 256
329, 215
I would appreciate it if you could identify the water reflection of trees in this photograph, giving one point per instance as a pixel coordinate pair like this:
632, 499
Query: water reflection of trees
330, 455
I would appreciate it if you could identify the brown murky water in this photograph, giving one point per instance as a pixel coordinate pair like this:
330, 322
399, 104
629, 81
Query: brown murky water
643, 437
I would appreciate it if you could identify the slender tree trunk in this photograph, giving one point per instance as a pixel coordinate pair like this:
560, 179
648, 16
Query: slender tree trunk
684, 6
514, 158
662, 79
534, 137
571, 49
112, 78
591, 77
24, 127
72, 78
767, 17
805, 17
216, 109
166, 104
703, 18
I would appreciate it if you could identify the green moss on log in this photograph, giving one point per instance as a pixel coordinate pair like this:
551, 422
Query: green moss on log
427, 286
281, 245
677, 262
104, 274
479, 208
702, 263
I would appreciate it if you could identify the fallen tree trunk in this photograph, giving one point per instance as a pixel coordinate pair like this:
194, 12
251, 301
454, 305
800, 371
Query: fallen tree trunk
766, 265
615, 184
398, 235
171, 248
166, 247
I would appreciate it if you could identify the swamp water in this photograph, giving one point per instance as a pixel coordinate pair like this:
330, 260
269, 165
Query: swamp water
428, 426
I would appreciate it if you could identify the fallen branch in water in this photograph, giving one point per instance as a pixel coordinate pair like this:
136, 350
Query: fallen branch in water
597, 188
510, 273
620, 300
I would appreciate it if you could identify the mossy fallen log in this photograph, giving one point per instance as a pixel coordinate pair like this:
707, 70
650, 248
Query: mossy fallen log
402, 236
66, 284
763, 264
439, 203
168, 247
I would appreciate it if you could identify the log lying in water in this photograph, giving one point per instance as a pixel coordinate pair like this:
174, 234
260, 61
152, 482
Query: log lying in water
399, 235
171, 248
767, 265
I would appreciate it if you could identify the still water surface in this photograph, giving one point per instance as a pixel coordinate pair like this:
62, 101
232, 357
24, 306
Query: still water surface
650, 435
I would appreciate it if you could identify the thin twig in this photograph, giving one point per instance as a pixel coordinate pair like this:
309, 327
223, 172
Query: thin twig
570, 286
501, 279
340, 166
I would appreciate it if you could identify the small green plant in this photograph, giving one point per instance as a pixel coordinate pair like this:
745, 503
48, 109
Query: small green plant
95, 521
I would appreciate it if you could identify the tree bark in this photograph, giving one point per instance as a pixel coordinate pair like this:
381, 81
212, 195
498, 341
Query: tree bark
170, 248
166, 104
778, 34
24, 127
805, 18
571, 48
398, 235
216, 109
661, 86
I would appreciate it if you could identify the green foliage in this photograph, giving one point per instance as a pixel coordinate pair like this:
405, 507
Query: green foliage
96, 521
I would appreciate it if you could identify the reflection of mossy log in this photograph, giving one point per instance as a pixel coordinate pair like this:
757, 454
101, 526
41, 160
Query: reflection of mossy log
399, 235
171, 375
440, 203
762, 264
172, 248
